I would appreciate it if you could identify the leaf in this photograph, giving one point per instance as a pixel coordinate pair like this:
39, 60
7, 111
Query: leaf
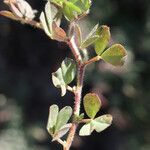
69, 15
102, 122
47, 18
103, 40
58, 33
8, 14
86, 129
91, 38
53, 113
63, 130
58, 81
48, 14
77, 35
91, 104
63, 117
99, 124
89, 41
44, 24
68, 67
64, 75
114, 55
73, 8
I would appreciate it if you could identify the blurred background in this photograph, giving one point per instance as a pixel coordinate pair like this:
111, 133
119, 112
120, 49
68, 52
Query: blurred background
28, 57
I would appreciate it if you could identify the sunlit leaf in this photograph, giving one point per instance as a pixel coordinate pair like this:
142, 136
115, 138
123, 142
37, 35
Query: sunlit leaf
103, 40
73, 8
68, 13
114, 55
89, 41
92, 104
86, 129
47, 19
102, 122
91, 38
99, 124
44, 24
63, 117
52, 119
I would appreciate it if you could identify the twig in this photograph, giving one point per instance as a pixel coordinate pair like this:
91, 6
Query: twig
92, 60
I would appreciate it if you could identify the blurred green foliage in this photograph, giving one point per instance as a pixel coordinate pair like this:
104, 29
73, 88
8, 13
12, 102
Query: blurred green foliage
27, 58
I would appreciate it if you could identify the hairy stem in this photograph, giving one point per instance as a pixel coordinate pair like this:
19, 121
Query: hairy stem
78, 91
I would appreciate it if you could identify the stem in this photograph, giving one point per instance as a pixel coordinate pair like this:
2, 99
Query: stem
92, 60
85, 120
78, 91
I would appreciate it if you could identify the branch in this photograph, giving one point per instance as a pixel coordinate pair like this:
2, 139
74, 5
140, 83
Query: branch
92, 60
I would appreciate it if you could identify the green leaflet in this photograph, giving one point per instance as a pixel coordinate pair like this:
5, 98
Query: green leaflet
57, 125
114, 55
104, 36
91, 104
64, 75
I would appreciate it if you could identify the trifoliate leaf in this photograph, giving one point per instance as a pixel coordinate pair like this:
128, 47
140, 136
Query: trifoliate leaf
64, 75
63, 117
114, 55
92, 104
58, 81
104, 36
48, 18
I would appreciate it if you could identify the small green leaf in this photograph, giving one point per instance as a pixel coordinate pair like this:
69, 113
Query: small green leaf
103, 40
51, 14
44, 24
49, 17
62, 131
58, 81
92, 104
114, 55
63, 117
68, 67
102, 122
73, 7
64, 75
86, 130
89, 41
53, 113
91, 38
69, 15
